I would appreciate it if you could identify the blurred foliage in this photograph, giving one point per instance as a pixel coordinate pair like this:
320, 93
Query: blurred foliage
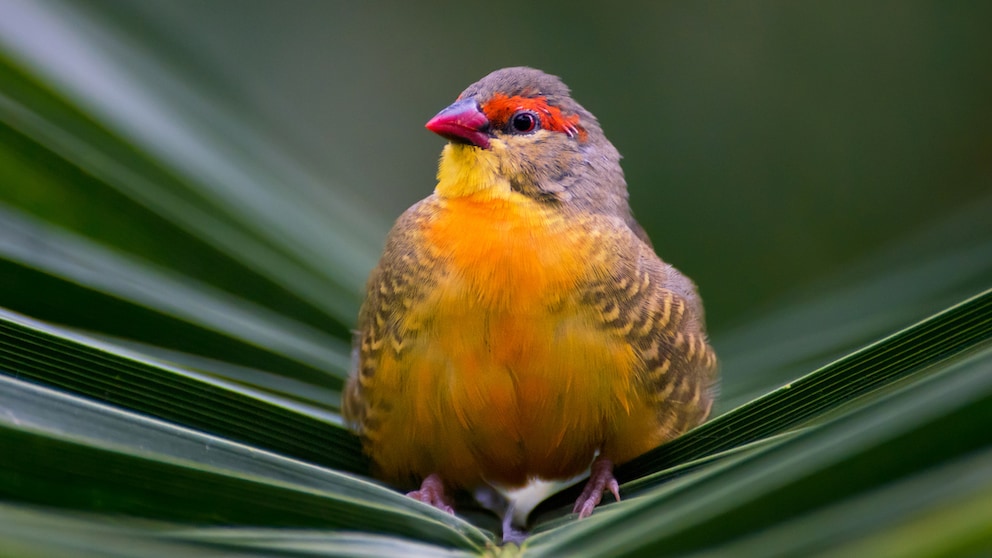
191, 196
766, 144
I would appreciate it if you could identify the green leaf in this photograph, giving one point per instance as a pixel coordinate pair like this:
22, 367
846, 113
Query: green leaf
320, 543
77, 454
28, 531
822, 465
48, 250
180, 279
913, 352
939, 265
144, 133
32, 532
940, 512
31, 350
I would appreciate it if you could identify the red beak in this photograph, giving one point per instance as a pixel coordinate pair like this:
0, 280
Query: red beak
462, 122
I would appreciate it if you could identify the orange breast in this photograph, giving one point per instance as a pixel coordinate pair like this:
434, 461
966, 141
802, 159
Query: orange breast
510, 376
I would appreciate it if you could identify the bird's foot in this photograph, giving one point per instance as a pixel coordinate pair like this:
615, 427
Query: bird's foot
432, 492
600, 478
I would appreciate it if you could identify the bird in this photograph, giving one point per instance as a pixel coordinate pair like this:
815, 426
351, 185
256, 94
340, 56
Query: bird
519, 324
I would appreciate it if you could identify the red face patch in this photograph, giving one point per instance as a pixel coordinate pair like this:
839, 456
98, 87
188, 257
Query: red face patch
500, 108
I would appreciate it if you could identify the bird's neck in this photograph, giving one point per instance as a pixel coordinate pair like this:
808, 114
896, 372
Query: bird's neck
466, 170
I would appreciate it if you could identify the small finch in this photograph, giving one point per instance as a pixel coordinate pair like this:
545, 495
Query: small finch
519, 324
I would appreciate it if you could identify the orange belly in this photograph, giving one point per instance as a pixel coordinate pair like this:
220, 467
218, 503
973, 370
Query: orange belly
509, 376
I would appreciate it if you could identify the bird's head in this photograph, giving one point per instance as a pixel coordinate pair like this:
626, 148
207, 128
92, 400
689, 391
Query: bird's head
519, 130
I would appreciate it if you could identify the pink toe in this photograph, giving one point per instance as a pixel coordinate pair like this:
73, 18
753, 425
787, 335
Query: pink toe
600, 479
432, 493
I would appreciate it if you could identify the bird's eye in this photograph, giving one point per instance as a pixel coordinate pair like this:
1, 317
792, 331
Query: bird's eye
523, 122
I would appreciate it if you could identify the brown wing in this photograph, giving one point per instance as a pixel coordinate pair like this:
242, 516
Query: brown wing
658, 311
394, 285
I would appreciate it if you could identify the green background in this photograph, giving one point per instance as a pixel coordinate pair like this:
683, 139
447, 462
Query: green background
766, 144
192, 194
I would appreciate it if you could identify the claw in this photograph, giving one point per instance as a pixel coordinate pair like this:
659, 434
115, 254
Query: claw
600, 478
432, 493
